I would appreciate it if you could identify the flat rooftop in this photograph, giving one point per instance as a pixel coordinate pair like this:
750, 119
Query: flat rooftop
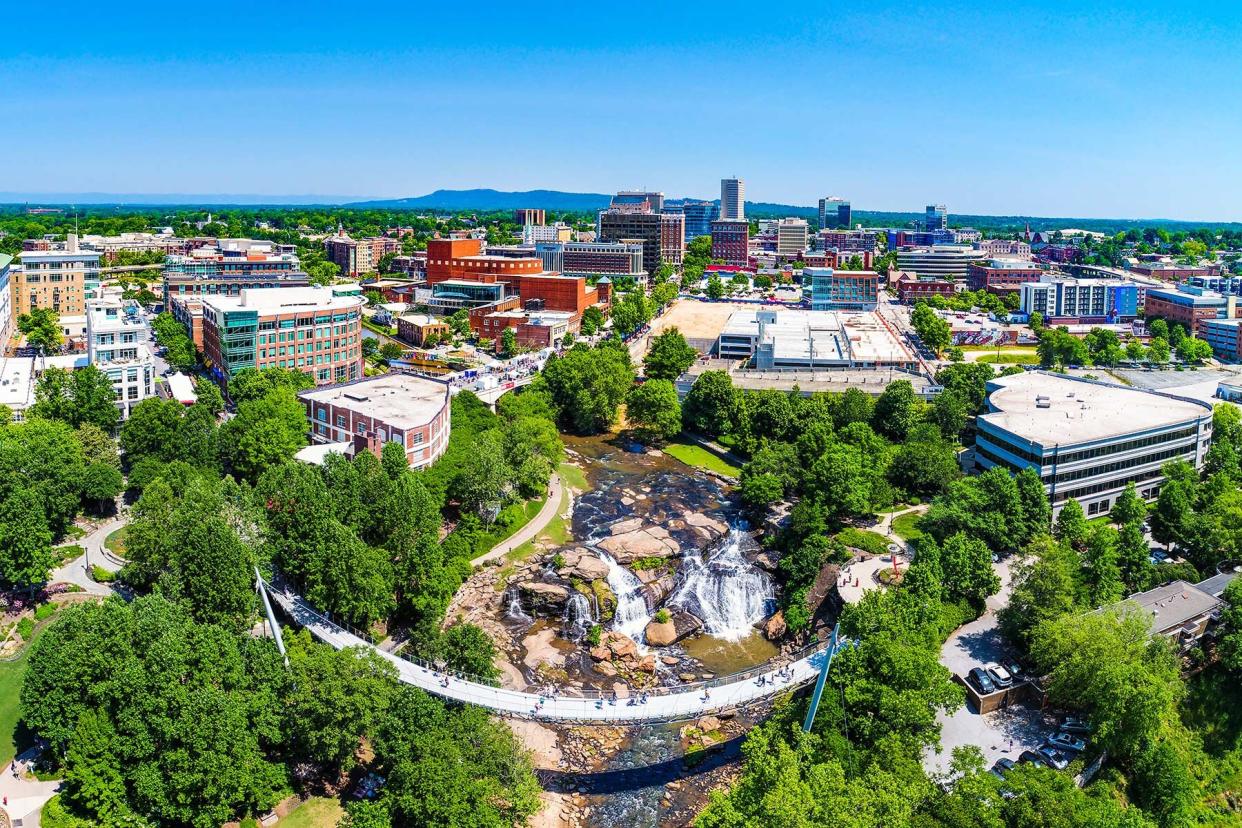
284, 300
1049, 409
840, 336
400, 400
17, 382
1174, 604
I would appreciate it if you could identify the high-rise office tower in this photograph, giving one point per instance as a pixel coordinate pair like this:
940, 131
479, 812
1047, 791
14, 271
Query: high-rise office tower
936, 217
732, 199
834, 214
635, 199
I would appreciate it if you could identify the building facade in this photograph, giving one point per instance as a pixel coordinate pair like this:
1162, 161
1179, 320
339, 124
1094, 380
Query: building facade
1225, 337
731, 242
119, 344
910, 288
672, 238
309, 329
412, 412
6, 302
936, 217
54, 279
645, 228
1188, 306
217, 271
1000, 276
855, 290
848, 241
732, 199
791, 236
834, 213
357, 257
1004, 248
593, 258
1074, 301
529, 215
941, 261
1088, 439
699, 217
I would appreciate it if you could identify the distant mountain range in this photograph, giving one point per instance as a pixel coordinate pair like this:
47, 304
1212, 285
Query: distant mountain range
493, 200
173, 199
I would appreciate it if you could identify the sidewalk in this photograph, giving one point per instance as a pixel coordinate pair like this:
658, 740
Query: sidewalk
531, 530
27, 795
77, 572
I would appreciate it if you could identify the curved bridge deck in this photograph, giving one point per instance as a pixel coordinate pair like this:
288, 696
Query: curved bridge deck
666, 704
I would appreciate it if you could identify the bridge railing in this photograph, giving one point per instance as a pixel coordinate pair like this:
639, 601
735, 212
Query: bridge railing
550, 689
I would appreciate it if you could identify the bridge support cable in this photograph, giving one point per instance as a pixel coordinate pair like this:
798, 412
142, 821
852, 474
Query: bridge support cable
834, 644
273, 625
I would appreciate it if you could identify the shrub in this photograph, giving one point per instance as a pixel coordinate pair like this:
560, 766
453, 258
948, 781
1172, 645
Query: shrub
44, 611
649, 564
594, 635
558, 561
662, 616
25, 627
863, 539
101, 576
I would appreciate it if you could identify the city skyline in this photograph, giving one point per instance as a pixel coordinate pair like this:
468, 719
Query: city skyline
1040, 109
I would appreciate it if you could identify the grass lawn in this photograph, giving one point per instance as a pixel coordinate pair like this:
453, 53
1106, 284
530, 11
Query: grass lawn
907, 526
527, 513
316, 812
701, 458
115, 542
864, 539
11, 675
573, 477
556, 533
1004, 358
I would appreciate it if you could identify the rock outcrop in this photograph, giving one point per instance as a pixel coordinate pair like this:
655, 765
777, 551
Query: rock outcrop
581, 563
628, 544
541, 598
661, 634
775, 626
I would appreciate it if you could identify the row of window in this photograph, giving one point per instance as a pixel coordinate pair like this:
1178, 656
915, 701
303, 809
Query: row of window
1066, 457
320, 359
322, 333
1184, 452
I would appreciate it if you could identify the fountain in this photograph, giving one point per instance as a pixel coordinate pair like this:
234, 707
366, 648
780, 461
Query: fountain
725, 590
632, 614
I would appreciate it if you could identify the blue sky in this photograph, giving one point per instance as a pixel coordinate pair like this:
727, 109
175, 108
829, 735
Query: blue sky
1060, 109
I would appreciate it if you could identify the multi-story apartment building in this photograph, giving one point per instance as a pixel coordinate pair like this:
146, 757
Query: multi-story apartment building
1088, 439
309, 329
225, 269
529, 215
593, 258
848, 241
791, 236
732, 199
911, 288
835, 213
110, 246
1188, 306
936, 217
55, 279
672, 238
119, 344
856, 290
356, 257
535, 233
1000, 276
644, 227
6, 302
1080, 301
731, 241
412, 412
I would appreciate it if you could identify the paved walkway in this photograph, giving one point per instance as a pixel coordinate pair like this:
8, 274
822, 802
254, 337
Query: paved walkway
77, 571
531, 530
667, 705
26, 795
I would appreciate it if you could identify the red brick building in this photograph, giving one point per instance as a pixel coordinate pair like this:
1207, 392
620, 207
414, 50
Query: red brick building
464, 259
1000, 276
911, 288
731, 241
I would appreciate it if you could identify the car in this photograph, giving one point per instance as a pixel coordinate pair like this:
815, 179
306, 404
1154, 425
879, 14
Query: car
982, 681
1000, 676
1073, 724
1052, 756
1015, 669
1003, 766
1068, 743
1033, 758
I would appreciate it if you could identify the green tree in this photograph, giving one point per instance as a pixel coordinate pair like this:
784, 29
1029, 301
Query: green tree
708, 407
931, 328
592, 320
924, 467
633, 311
508, 343
653, 410
251, 384
1102, 572
587, 385
1159, 350
26, 556
967, 567
669, 356
41, 327
1071, 526
1129, 507
151, 430
896, 410
468, 649
101, 484
949, 412
1134, 557
209, 396
1045, 587
265, 432
93, 780
82, 396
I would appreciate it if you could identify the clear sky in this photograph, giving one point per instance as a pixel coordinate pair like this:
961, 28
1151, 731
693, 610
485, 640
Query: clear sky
1083, 108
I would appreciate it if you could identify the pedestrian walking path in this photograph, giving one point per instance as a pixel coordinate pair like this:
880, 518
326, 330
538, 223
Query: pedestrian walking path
531, 530
667, 704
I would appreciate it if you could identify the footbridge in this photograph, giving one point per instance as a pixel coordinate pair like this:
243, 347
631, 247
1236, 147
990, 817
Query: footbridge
583, 706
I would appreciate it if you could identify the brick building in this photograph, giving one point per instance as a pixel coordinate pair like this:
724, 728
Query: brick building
911, 288
731, 241
1001, 276
1190, 307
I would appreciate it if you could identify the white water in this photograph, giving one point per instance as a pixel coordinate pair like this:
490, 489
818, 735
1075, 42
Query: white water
514, 611
578, 616
631, 616
728, 592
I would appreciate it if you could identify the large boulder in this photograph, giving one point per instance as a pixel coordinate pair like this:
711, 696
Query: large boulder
605, 599
687, 624
708, 528
621, 645
660, 634
542, 598
657, 590
775, 626
581, 563
645, 542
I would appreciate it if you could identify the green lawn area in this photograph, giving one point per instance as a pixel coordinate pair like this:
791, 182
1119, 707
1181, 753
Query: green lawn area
11, 675
316, 812
864, 539
506, 526
1006, 358
556, 533
115, 542
573, 476
701, 458
907, 526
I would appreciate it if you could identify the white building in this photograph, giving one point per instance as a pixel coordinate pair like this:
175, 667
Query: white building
6, 300
793, 339
945, 261
732, 199
1088, 439
534, 233
118, 343
791, 236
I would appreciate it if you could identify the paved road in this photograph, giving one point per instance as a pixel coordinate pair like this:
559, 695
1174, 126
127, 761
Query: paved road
531, 530
26, 795
77, 571
681, 704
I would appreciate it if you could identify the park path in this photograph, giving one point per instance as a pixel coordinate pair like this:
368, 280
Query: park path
77, 571
531, 530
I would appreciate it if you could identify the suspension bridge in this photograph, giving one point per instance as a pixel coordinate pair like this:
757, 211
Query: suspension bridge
581, 706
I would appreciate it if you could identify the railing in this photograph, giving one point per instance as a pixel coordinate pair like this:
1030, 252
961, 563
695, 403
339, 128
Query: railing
583, 692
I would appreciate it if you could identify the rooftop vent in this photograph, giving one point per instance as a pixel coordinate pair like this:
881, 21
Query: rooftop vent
1042, 402
356, 397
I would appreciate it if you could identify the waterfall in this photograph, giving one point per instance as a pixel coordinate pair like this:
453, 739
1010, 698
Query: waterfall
578, 616
514, 611
631, 615
725, 590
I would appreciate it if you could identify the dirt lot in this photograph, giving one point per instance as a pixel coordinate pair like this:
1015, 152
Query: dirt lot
699, 320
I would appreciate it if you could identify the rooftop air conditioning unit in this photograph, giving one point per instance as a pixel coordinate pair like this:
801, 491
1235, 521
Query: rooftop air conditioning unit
1042, 403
